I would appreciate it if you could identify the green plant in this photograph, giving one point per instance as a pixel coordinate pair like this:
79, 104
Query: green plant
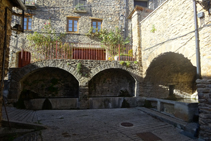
153, 29
79, 68
127, 63
122, 62
110, 39
39, 43
135, 62
130, 53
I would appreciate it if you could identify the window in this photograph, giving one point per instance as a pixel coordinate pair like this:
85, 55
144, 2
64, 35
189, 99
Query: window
140, 3
72, 25
96, 24
28, 23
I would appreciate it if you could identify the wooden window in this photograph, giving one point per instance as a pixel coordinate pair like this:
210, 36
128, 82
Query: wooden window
97, 24
72, 25
28, 23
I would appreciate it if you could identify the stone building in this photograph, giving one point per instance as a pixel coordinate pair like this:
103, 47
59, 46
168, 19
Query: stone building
167, 41
75, 18
5, 33
87, 81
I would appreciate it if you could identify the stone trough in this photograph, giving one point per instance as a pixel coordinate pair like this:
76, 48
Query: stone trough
74, 103
184, 109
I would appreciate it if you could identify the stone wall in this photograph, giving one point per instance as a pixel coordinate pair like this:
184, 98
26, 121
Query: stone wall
50, 82
172, 30
58, 11
3, 5
112, 82
170, 70
85, 75
204, 93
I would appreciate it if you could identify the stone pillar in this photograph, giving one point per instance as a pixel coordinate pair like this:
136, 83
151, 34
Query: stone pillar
136, 17
83, 97
204, 94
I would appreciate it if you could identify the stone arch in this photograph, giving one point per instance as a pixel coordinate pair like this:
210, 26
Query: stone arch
150, 55
115, 65
19, 74
50, 82
104, 83
23, 72
170, 71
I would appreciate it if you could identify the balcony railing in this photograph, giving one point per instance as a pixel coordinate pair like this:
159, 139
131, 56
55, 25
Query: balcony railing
83, 51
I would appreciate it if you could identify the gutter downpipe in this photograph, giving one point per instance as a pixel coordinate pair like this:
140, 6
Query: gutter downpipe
198, 65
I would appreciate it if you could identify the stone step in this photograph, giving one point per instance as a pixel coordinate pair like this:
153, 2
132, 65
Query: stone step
26, 116
20, 115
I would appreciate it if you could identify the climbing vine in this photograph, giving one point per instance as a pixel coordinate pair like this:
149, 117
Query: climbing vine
110, 39
40, 42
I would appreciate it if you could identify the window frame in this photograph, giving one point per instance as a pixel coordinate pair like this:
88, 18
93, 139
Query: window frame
27, 22
146, 2
73, 19
97, 20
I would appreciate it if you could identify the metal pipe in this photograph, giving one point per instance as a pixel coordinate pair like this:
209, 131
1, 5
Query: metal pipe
198, 65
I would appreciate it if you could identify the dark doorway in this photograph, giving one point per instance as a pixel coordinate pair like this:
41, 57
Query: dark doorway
47, 105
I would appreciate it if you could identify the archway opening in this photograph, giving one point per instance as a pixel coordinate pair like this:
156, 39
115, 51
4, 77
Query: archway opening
51, 83
112, 83
170, 75
47, 105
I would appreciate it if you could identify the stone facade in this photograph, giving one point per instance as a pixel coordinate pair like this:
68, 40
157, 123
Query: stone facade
204, 93
105, 80
165, 29
109, 11
167, 41
164, 32
3, 5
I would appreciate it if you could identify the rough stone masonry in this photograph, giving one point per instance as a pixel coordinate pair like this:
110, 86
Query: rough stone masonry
3, 5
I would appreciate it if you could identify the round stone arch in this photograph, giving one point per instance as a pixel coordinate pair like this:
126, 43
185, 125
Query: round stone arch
150, 55
48, 82
18, 75
170, 73
113, 78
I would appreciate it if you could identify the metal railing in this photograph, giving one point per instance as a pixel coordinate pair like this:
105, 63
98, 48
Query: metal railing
83, 51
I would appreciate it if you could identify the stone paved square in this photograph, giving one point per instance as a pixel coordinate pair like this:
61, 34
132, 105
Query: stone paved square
103, 125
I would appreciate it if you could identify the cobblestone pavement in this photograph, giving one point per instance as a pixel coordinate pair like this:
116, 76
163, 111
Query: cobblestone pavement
103, 125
